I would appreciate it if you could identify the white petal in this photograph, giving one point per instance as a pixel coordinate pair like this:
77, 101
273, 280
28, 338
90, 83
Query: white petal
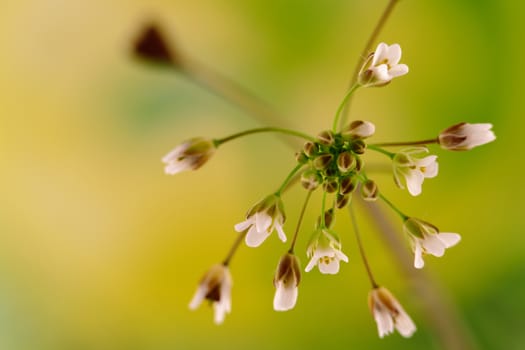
262, 221
385, 324
241, 226
175, 153
414, 181
448, 239
280, 232
198, 297
380, 54
433, 245
404, 324
285, 298
341, 256
311, 263
331, 268
394, 54
418, 256
381, 73
255, 238
219, 311
398, 70
431, 170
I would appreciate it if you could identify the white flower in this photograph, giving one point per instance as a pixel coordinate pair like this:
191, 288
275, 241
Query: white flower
215, 286
359, 129
324, 251
262, 219
409, 165
465, 136
286, 280
190, 155
425, 238
382, 66
389, 314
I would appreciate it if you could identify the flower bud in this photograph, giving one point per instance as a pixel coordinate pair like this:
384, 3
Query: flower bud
358, 146
190, 155
359, 129
301, 158
323, 161
341, 200
328, 218
346, 185
286, 281
359, 163
326, 138
346, 162
465, 136
310, 149
369, 191
311, 179
330, 185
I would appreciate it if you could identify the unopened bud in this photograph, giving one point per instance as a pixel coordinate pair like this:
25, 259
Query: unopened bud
326, 137
301, 158
330, 185
359, 129
310, 149
359, 163
328, 218
369, 191
358, 146
341, 200
323, 161
347, 185
346, 162
311, 179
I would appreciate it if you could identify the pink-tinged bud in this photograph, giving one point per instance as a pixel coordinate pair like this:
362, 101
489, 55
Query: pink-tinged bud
286, 281
190, 155
359, 129
465, 136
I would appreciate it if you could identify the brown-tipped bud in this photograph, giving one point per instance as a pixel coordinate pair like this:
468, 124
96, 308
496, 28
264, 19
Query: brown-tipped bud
347, 185
310, 149
369, 191
358, 163
286, 280
152, 45
341, 200
330, 185
301, 158
326, 138
311, 179
358, 146
329, 218
346, 162
359, 129
323, 161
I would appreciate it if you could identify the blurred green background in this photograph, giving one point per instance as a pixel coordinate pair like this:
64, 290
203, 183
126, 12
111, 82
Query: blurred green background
99, 249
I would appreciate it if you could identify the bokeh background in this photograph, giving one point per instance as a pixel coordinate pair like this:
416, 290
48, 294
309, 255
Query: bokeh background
99, 249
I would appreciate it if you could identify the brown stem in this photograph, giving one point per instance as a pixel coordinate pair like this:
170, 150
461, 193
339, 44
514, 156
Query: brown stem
361, 248
301, 215
412, 143
234, 247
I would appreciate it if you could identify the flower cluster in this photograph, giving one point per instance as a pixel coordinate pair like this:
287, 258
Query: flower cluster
333, 162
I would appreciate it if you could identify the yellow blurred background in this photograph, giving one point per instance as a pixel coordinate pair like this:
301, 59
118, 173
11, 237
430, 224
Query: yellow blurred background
99, 249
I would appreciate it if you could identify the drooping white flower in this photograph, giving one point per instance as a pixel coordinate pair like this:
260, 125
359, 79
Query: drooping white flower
465, 136
389, 314
189, 155
324, 251
425, 238
286, 281
215, 286
359, 129
410, 165
262, 219
382, 66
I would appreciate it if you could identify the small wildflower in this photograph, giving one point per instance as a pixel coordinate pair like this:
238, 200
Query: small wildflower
409, 165
465, 136
425, 238
325, 252
190, 155
286, 280
215, 286
389, 314
262, 219
382, 66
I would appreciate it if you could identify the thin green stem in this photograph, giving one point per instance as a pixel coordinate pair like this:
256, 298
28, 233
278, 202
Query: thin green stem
361, 248
401, 214
301, 216
342, 105
380, 150
288, 179
412, 143
234, 247
219, 142
364, 54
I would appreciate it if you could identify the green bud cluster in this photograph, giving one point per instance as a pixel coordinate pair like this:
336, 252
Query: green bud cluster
334, 162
